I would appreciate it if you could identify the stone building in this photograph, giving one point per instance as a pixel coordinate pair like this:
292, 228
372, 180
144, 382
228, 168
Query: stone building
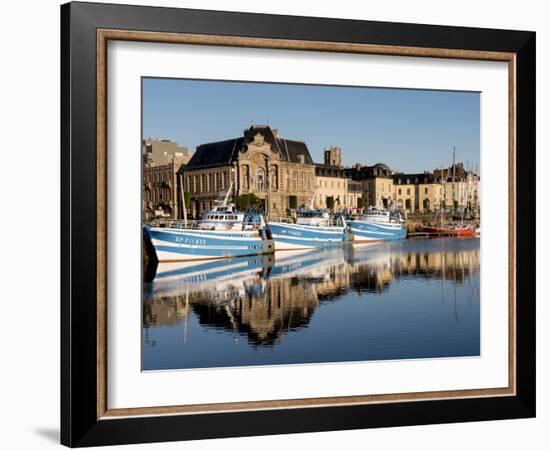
160, 152
377, 183
163, 162
161, 189
330, 183
260, 162
333, 156
461, 187
354, 193
419, 192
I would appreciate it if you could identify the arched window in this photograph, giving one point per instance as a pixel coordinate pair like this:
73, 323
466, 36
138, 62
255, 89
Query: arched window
260, 180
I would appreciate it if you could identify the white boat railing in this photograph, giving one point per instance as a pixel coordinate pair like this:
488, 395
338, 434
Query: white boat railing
204, 225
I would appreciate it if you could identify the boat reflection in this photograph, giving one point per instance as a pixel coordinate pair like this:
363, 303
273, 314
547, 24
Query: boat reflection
263, 297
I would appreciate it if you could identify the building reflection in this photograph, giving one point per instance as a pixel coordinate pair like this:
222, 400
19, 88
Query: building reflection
263, 297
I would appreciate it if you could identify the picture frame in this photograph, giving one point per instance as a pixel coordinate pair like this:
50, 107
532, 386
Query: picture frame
86, 418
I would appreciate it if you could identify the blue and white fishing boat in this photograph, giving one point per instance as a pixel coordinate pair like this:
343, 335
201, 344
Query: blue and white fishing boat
313, 228
377, 225
222, 232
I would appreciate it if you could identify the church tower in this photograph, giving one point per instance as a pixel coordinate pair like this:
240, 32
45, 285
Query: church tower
333, 156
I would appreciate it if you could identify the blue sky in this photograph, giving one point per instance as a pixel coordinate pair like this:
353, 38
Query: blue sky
410, 130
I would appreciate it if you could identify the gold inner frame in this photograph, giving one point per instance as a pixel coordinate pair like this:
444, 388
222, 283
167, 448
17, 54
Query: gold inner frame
104, 35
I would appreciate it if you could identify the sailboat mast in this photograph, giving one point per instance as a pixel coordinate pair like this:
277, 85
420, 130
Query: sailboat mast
226, 198
453, 182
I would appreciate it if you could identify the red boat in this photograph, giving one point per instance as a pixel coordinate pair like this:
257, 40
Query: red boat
451, 230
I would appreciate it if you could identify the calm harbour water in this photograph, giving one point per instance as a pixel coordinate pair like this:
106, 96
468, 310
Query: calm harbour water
416, 298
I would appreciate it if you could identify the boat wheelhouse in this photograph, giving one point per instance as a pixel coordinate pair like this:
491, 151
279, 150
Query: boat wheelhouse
222, 232
377, 225
313, 228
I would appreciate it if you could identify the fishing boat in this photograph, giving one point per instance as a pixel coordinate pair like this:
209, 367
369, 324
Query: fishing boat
377, 225
313, 228
222, 232
451, 230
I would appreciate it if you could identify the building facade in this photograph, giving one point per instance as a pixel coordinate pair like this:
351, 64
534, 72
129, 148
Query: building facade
161, 151
331, 188
418, 192
377, 184
460, 188
163, 163
161, 189
260, 162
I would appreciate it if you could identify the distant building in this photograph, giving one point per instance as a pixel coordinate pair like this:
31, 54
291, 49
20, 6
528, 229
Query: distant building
377, 183
161, 152
331, 183
419, 192
161, 189
355, 192
460, 187
333, 156
260, 162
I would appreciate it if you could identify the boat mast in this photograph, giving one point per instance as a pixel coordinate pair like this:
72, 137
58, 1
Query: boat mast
226, 198
184, 209
453, 184
312, 201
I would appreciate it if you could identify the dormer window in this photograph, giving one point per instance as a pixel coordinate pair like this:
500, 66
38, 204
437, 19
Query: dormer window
301, 158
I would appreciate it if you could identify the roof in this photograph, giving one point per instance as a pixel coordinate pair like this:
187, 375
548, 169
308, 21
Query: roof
226, 152
415, 178
323, 170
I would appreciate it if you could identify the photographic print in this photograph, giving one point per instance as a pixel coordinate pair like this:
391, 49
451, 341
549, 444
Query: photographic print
297, 224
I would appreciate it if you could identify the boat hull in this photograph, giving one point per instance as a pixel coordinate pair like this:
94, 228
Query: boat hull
464, 232
290, 236
174, 244
364, 231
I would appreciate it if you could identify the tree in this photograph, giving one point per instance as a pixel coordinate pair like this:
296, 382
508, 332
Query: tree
292, 202
330, 202
360, 202
247, 201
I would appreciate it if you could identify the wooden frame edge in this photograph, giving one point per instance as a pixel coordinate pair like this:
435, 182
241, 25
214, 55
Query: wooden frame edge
103, 36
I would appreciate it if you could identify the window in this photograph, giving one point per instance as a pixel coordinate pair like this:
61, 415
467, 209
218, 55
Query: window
260, 180
399, 191
302, 183
294, 180
426, 191
408, 191
219, 184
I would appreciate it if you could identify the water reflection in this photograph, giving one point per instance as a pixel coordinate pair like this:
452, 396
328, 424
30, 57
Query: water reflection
264, 298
